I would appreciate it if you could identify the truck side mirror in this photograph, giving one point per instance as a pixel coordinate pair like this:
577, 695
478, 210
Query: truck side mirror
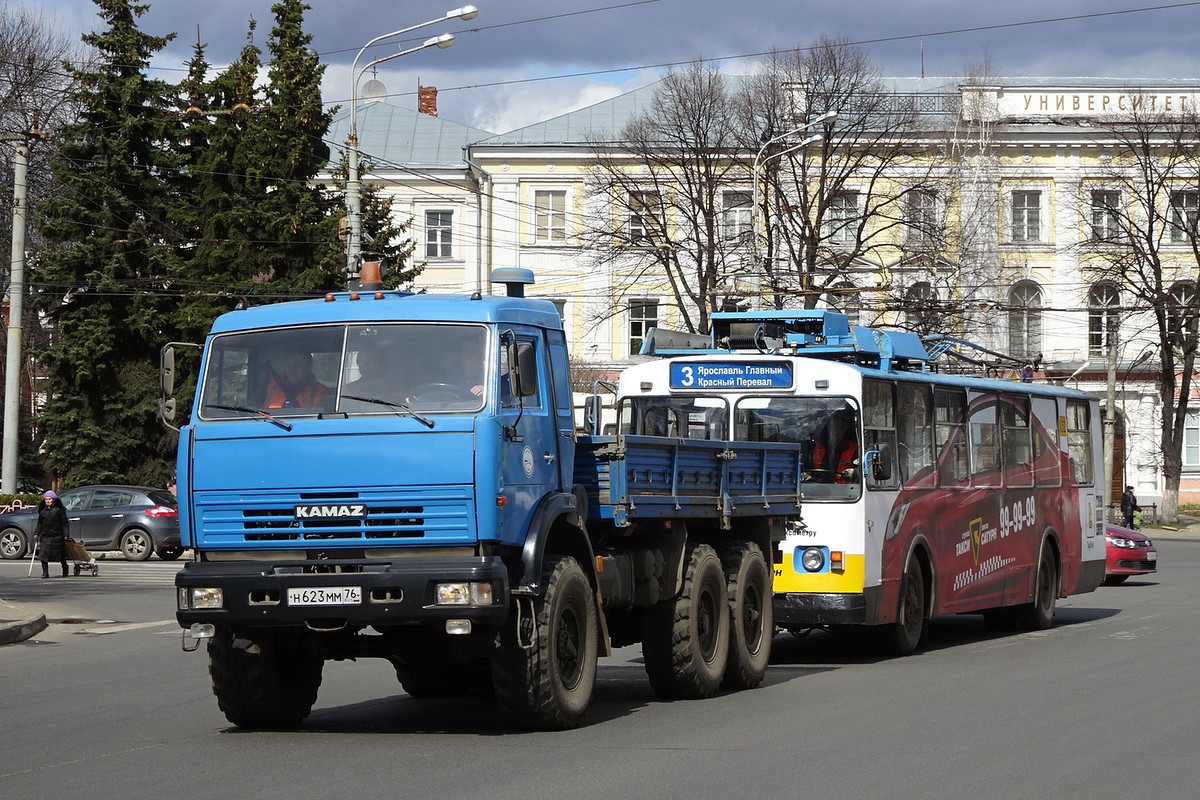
166, 409
166, 370
522, 368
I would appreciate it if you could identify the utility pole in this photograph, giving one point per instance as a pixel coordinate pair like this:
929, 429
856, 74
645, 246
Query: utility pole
1110, 411
16, 297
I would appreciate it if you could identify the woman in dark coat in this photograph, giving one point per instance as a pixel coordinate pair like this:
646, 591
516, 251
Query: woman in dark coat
51, 533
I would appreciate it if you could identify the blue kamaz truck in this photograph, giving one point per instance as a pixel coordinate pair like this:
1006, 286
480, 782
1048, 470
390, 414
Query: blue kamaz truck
394, 475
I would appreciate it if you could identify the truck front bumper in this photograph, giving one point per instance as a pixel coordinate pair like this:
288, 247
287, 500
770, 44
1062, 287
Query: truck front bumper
331, 594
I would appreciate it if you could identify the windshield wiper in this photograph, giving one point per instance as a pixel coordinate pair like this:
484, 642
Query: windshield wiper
426, 421
287, 426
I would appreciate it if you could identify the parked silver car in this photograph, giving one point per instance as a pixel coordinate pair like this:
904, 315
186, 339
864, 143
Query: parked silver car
136, 520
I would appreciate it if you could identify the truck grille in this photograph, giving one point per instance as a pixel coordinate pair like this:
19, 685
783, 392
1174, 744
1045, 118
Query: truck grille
440, 515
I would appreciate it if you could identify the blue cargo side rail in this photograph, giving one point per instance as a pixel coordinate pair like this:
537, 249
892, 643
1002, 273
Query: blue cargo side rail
631, 477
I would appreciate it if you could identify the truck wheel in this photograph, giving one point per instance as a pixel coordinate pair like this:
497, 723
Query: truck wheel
751, 617
1039, 615
261, 679
544, 665
685, 640
904, 635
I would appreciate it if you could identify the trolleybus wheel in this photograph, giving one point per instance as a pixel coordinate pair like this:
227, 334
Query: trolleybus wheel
904, 635
1039, 615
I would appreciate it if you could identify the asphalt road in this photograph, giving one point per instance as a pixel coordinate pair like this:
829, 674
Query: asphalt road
103, 703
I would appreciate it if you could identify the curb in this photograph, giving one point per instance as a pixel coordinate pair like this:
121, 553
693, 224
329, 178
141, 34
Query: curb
19, 631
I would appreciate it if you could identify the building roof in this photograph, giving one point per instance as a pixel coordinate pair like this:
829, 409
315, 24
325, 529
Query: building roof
389, 134
607, 116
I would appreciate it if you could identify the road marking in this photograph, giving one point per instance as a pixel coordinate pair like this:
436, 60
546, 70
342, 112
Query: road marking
130, 626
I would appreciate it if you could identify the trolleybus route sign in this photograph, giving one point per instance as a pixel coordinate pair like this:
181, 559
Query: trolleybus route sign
731, 375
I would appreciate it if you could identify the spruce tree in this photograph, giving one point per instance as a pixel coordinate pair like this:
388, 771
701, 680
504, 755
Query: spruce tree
112, 252
297, 218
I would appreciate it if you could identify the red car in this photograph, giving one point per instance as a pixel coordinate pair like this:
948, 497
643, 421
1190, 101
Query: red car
1129, 553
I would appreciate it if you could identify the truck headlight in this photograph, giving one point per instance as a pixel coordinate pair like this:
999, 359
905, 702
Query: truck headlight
463, 593
201, 597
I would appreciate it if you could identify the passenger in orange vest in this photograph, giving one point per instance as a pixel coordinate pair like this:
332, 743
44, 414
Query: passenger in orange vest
296, 386
835, 454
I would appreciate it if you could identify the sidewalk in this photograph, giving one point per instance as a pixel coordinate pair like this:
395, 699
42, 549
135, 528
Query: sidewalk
17, 625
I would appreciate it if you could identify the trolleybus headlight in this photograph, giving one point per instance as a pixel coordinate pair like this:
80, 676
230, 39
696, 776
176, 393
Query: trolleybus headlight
813, 559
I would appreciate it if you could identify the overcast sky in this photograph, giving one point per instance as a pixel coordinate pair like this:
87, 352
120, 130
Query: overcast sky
520, 61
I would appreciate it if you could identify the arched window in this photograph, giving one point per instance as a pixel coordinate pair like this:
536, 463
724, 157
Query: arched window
844, 297
1025, 320
1104, 300
921, 313
1181, 315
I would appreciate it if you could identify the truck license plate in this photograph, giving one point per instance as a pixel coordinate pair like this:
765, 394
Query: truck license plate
325, 596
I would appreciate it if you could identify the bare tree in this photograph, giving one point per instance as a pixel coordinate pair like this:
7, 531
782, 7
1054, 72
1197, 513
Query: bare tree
662, 182
34, 97
1140, 237
838, 213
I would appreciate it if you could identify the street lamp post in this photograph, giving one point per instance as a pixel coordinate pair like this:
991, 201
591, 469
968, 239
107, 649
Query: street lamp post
759, 157
353, 198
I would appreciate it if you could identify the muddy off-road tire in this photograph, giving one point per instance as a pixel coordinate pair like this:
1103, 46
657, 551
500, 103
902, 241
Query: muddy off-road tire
262, 678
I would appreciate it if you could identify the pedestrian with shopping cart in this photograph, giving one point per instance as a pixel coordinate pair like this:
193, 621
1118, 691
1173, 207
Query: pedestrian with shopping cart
50, 534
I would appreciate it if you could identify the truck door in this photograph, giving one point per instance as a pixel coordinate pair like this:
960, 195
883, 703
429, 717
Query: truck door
529, 453
560, 366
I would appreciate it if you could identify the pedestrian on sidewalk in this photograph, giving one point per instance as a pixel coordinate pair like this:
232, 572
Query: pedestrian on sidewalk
1129, 505
51, 533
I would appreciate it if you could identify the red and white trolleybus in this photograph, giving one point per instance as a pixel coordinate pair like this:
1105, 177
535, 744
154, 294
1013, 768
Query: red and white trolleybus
925, 493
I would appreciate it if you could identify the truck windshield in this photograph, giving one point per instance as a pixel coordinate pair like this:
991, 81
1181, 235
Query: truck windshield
357, 369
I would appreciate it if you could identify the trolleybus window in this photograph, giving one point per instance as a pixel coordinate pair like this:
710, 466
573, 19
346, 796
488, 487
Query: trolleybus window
826, 426
950, 411
879, 428
678, 417
1079, 442
1046, 470
915, 455
985, 462
1018, 443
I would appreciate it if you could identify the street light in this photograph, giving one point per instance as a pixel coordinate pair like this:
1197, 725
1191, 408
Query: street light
353, 199
829, 116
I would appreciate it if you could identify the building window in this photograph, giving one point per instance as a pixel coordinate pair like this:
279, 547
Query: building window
1183, 215
560, 305
550, 216
1025, 320
921, 218
735, 215
1105, 218
842, 224
1191, 440
921, 308
1181, 315
645, 218
1103, 317
1026, 216
439, 230
643, 315
846, 299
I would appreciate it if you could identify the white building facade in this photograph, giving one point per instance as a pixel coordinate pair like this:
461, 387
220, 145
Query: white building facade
1038, 202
